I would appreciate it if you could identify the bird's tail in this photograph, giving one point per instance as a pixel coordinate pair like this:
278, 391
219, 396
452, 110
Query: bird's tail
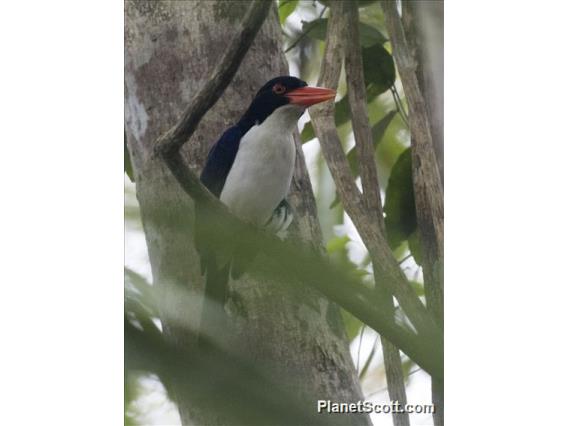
278, 224
213, 317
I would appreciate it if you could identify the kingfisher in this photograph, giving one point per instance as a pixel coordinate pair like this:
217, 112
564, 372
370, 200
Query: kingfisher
250, 170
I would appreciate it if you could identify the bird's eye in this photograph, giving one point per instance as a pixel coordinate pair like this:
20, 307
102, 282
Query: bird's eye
278, 88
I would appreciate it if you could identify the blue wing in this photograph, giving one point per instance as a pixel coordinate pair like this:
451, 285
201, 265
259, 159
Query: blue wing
220, 160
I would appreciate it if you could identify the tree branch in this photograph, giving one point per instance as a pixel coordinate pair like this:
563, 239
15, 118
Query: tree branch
428, 189
172, 141
424, 30
426, 177
324, 124
357, 97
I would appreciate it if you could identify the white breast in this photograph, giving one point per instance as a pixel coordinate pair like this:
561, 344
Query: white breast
262, 171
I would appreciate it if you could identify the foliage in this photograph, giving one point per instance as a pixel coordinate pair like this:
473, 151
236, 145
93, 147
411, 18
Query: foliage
400, 209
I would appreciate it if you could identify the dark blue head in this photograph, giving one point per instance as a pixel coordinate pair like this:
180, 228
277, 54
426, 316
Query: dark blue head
282, 91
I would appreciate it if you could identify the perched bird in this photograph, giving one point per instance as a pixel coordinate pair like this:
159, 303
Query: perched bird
250, 170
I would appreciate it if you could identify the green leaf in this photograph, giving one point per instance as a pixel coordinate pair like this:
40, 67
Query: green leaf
400, 211
378, 68
415, 247
127, 164
285, 9
368, 35
378, 130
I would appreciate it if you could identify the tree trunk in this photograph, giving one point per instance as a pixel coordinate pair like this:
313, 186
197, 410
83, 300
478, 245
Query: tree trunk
417, 38
171, 48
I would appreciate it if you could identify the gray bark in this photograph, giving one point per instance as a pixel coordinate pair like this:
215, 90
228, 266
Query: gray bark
424, 26
171, 49
418, 63
371, 193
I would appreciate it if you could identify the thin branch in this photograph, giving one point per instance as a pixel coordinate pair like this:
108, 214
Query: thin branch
172, 141
369, 358
428, 190
324, 125
399, 106
397, 95
311, 26
418, 19
427, 183
357, 97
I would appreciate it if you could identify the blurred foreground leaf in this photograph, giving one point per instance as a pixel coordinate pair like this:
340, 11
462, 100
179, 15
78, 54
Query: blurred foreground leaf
298, 264
418, 287
352, 325
337, 251
337, 244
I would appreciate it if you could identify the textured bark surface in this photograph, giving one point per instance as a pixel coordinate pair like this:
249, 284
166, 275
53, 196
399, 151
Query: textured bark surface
424, 25
418, 67
371, 193
171, 49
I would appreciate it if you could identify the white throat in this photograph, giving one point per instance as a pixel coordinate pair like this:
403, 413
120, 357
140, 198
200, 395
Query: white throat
284, 119
262, 171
